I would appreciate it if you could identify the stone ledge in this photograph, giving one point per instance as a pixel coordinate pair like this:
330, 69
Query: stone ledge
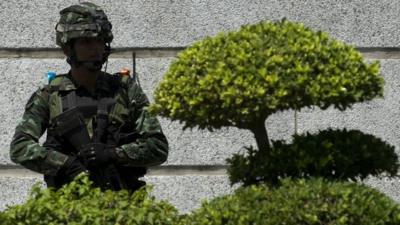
163, 170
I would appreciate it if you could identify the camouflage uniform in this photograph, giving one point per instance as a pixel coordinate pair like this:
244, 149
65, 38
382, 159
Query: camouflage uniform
137, 136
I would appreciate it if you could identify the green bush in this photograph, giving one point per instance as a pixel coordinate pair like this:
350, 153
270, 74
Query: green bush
331, 154
79, 203
239, 78
314, 202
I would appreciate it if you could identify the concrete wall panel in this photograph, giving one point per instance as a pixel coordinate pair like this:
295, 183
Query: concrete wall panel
171, 23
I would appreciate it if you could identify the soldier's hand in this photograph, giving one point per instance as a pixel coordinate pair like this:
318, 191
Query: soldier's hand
96, 154
72, 168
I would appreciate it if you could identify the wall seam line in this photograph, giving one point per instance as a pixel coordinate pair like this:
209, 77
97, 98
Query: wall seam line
163, 52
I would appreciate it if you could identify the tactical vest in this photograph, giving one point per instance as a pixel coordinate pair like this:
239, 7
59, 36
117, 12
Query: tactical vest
61, 98
71, 124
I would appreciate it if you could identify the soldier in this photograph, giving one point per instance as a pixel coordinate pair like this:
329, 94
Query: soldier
96, 122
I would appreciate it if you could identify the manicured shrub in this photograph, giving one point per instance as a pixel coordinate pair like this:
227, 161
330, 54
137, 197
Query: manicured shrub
239, 78
315, 201
331, 154
79, 203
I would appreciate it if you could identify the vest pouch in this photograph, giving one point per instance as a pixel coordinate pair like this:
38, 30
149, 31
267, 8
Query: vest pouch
71, 126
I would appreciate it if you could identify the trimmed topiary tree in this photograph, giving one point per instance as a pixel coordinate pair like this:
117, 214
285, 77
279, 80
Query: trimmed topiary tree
312, 201
239, 78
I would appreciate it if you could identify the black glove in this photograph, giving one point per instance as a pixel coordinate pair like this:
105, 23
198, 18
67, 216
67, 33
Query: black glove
71, 168
96, 154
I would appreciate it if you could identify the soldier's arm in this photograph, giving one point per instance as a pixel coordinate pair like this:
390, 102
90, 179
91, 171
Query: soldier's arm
151, 146
25, 149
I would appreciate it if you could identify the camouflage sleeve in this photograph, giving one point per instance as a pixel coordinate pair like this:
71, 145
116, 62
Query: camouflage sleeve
24, 148
151, 148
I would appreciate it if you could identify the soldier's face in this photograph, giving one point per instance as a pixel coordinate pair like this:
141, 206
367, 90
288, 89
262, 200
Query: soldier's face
89, 49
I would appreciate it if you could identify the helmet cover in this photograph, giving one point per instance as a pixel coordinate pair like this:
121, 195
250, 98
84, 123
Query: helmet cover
83, 20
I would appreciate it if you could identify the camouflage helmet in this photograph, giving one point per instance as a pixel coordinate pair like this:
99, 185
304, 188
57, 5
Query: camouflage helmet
82, 20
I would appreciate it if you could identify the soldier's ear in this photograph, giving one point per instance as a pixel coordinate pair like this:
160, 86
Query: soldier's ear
66, 50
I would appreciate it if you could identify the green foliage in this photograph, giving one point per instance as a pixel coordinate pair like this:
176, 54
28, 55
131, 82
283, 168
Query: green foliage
316, 202
240, 77
331, 154
79, 203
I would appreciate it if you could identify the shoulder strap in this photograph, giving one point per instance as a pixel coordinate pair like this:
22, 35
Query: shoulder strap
125, 80
121, 80
69, 101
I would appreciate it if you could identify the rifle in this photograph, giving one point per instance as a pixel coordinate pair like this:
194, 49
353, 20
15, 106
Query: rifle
70, 124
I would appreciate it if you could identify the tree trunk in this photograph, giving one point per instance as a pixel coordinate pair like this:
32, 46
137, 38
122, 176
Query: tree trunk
260, 134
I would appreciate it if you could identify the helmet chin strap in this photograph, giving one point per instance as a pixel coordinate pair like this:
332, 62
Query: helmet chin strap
91, 65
